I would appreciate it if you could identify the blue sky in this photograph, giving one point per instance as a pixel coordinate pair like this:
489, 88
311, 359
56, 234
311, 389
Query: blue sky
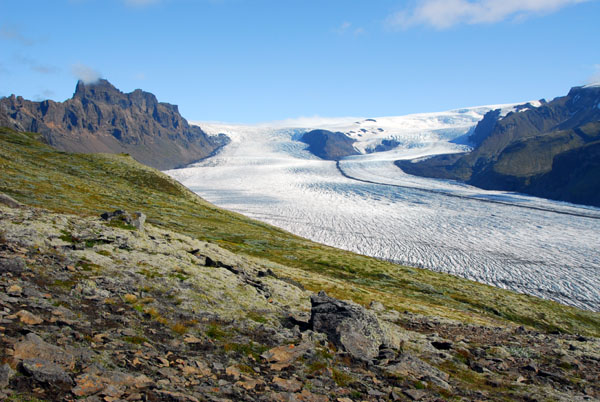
261, 60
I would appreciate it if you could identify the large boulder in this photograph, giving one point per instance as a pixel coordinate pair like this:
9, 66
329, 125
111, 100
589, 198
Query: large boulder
137, 219
347, 325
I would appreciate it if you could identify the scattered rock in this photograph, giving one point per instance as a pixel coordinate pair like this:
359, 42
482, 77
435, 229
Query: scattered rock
192, 339
411, 366
33, 347
88, 384
47, 372
6, 373
376, 306
13, 265
415, 394
233, 372
347, 325
175, 396
138, 221
307, 396
530, 367
287, 385
26, 317
122, 311
283, 356
442, 345
249, 384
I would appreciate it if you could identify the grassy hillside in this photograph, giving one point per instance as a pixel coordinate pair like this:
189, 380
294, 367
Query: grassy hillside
84, 184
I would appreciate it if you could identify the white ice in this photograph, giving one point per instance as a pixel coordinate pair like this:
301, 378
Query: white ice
540, 247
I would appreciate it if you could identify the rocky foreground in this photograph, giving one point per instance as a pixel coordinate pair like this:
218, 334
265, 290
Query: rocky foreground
112, 308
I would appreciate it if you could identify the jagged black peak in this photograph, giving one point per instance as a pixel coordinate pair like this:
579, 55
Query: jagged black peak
101, 118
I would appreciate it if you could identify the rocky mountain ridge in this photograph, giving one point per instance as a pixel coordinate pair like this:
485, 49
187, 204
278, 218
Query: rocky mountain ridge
100, 118
549, 151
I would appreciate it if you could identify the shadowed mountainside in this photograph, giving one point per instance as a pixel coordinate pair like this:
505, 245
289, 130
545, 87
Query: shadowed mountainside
329, 145
100, 118
550, 151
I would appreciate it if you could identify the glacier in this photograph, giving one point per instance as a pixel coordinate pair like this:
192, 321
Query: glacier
366, 204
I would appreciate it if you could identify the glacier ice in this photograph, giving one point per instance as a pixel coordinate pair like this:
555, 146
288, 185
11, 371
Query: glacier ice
367, 205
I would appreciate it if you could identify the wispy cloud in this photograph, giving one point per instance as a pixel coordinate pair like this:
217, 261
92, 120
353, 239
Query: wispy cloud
443, 14
34, 65
45, 94
85, 73
343, 28
13, 34
347, 28
595, 77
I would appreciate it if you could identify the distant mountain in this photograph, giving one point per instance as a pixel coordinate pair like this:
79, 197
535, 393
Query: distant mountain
551, 151
100, 118
329, 145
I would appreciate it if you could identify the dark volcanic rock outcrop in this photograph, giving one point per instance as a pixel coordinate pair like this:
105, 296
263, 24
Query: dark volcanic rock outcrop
329, 145
100, 118
549, 151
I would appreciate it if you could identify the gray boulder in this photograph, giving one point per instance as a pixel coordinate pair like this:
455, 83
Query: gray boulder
6, 373
347, 325
47, 372
9, 201
136, 220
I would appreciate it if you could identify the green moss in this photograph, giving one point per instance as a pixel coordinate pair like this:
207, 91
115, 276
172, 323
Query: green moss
68, 237
257, 317
136, 340
248, 349
88, 266
316, 366
178, 275
119, 224
150, 274
341, 378
214, 331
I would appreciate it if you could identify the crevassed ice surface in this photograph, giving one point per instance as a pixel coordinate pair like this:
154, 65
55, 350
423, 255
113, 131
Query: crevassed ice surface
367, 205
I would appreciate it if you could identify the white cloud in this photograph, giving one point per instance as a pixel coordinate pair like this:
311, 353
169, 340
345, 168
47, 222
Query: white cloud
346, 27
442, 14
343, 28
85, 73
595, 77
14, 34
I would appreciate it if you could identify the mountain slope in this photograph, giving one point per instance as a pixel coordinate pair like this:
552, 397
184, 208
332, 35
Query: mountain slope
524, 151
200, 302
90, 184
100, 118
